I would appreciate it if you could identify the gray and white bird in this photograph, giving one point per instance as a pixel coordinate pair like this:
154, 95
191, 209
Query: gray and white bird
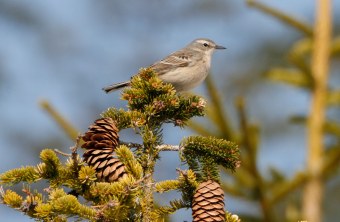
185, 68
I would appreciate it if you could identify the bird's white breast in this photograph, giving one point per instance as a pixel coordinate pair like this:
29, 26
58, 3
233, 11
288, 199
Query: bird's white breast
186, 78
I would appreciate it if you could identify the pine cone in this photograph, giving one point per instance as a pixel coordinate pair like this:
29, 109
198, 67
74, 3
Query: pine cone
102, 134
208, 204
100, 142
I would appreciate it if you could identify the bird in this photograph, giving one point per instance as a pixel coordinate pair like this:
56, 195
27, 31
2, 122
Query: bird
184, 69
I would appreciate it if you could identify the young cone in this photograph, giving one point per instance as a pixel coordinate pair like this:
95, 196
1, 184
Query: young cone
100, 141
208, 204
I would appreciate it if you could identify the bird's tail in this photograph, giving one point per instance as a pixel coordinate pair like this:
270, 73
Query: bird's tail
116, 86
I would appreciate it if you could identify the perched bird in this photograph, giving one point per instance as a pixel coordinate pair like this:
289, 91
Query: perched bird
185, 68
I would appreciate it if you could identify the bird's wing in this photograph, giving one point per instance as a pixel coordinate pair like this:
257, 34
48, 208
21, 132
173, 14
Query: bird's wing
174, 60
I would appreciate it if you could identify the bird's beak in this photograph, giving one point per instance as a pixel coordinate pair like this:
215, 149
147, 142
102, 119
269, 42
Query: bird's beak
219, 47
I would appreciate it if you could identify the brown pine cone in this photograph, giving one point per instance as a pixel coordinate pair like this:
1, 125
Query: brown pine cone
100, 141
102, 134
208, 204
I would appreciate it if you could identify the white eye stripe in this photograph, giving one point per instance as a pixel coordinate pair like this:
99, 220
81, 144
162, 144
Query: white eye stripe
203, 42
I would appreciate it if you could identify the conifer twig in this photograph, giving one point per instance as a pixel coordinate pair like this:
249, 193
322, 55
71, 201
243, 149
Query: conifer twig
62, 153
75, 155
163, 147
168, 147
130, 144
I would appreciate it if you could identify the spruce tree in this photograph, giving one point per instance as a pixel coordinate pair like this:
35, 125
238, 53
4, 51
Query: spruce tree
112, 180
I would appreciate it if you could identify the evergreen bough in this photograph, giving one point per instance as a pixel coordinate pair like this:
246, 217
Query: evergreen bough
151, 103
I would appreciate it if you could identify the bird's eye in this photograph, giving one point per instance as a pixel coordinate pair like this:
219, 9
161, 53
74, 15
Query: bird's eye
205, 44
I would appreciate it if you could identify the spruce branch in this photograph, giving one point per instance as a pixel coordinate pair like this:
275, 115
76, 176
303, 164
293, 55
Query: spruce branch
125, 170
30, 202
189, 183
174, 205
49, 168
87, 175
119, 191
23, 174
11, 198
149, 95
122, 118
224, 153
186, 183
132, 166
167, 185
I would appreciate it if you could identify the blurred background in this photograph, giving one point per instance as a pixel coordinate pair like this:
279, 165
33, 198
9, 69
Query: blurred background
66, 51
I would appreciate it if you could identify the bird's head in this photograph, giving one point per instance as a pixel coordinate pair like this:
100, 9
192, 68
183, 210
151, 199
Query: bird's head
205, 45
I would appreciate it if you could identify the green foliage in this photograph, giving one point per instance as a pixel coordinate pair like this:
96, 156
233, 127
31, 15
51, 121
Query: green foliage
189, 184
61, 203
12, 199
174, 205
119, 191
133, 167
205, 153
158, 102
51, 163
167, 185
44, 211
186, 183
23, 174
123, 119
150, 103
87, 175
